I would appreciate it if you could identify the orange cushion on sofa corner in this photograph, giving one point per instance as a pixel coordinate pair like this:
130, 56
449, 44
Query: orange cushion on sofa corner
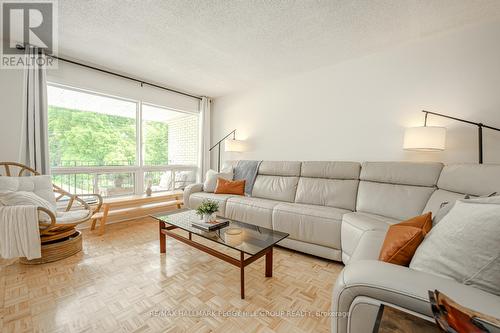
225, 186
403, 239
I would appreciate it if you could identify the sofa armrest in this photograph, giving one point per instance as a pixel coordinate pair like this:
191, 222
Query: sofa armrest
401, 287
190, 189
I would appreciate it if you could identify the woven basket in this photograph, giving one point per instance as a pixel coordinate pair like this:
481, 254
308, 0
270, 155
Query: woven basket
57, 250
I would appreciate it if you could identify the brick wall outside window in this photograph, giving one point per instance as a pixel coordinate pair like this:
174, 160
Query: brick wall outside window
183, 140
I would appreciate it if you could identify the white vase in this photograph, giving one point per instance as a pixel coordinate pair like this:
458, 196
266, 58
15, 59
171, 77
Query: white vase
207, 217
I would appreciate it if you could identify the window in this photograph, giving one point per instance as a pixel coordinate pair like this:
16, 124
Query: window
90, 130
114, 146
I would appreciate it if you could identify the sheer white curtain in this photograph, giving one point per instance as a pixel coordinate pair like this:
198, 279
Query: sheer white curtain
34, 132
204, 155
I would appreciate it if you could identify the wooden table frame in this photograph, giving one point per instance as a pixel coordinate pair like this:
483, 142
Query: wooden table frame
166, 230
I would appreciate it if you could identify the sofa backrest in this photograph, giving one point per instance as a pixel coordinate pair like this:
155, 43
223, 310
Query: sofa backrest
277, 180
333, 184
396, 189
458, 180
400, 190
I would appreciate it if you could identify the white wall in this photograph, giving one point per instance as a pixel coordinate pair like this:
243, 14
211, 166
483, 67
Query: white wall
357, 110
11, 98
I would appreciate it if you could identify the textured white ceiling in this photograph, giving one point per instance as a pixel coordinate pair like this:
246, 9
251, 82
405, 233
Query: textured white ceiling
214, 47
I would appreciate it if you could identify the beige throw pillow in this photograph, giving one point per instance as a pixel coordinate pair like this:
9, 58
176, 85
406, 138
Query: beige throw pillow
465, 245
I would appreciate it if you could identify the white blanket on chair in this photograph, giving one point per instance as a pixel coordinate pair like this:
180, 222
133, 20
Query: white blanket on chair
19, 232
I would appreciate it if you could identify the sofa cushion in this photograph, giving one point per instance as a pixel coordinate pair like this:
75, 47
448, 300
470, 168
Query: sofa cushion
330, 170
355, 225
275, 188
396, 201
310, 223
473, 179
280, 168
255, 211
368, 247
327, 192
197, 198
310, 248
72, 216
404, 173
438, 198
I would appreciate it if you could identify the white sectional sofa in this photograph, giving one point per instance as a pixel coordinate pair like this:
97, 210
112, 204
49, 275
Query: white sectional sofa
342, 210
305, 199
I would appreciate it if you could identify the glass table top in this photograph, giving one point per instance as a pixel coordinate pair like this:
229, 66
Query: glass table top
251, 240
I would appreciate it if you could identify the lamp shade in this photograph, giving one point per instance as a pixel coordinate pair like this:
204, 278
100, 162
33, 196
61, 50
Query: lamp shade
234, 145
425, 138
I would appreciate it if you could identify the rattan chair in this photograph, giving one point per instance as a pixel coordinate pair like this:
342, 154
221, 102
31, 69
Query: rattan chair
58, 233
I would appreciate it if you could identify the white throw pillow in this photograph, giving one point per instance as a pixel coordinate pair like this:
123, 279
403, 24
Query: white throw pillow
465, 245
447, 206
442, 212
40, 185
211, 179
166, 180
24, 198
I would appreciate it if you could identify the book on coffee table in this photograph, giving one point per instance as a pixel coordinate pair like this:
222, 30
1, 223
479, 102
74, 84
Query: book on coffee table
210, 226
453, 317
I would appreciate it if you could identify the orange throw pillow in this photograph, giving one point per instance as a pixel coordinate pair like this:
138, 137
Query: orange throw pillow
225, 186
403, 239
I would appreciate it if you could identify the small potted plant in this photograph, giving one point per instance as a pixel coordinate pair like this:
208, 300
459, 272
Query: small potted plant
207, 209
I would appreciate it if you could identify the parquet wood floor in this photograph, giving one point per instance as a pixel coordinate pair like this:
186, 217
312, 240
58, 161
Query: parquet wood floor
121, 283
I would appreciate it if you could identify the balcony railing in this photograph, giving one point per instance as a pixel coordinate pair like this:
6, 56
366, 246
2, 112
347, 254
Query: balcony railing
116, 180
80, 163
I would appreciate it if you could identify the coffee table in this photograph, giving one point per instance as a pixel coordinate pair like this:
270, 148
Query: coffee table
252, 243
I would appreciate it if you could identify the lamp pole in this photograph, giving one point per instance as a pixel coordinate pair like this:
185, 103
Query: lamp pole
233, 132
480, 142
480, 127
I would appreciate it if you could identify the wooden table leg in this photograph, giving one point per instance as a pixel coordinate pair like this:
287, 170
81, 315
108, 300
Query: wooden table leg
104, 217
163, 238
378, 320
92, 226
242, 274
269, 263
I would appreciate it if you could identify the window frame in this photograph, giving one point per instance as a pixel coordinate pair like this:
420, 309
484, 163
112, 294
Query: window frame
139, 169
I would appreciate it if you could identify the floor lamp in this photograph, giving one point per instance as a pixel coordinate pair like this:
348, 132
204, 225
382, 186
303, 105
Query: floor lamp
432, 138
230, 145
